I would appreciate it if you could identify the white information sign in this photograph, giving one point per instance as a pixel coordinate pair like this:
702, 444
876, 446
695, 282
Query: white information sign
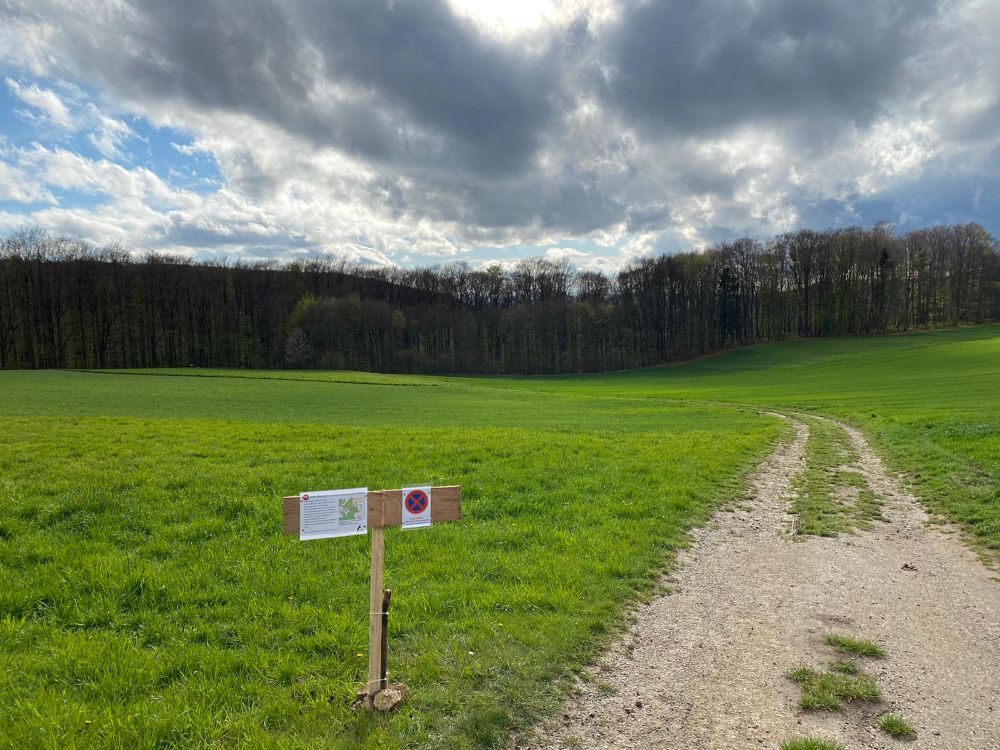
416, 507
333, 513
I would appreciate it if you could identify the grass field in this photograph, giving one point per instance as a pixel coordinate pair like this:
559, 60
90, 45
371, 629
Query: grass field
148, 600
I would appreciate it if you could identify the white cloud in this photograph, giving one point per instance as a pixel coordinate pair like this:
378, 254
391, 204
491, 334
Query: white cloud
68, 170
568, 254
45, 101
19, 187
107, 133
516, 18
72, 115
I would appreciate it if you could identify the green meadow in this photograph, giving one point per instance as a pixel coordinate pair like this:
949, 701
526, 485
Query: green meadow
930, 402
149, 600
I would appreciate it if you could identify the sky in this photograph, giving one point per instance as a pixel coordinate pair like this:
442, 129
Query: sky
427, 132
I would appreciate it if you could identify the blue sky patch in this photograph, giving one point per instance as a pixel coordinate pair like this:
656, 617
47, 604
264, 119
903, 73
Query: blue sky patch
164, 151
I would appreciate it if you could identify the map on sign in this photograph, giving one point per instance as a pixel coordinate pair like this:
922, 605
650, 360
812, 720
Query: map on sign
416, 507
331, 513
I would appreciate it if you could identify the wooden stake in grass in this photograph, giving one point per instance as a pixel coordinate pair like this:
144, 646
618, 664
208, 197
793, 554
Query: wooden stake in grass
375, 613
384, 672
384, 508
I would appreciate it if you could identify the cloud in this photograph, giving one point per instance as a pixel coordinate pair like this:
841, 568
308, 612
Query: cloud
106, 133
426, 130
46, 102
70, 171
18, 187
406, 82
697, 67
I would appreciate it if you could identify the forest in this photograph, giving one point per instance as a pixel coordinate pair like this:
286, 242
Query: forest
67, 304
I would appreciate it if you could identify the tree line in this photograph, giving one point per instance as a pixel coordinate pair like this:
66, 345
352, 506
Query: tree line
64, 303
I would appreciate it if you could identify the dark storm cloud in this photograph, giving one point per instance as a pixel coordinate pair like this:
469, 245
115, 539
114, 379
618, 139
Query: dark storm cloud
558, 203
717, 63
646, 218
490, 99
239, 57
406, 81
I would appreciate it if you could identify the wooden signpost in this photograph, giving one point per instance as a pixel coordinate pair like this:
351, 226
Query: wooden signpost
384, 508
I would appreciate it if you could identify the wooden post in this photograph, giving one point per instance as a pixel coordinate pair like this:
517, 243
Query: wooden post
384, 670
375, 610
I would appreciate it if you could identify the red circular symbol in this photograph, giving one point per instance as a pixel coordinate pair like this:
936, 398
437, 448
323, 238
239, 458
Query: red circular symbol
416, 501
305, 495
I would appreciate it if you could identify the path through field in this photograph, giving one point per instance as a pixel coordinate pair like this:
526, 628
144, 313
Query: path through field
705, 666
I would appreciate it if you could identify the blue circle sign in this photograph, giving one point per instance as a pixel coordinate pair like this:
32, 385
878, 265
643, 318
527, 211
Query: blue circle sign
416, 501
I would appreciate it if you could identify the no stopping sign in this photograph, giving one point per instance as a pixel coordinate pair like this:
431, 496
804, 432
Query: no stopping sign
416, 507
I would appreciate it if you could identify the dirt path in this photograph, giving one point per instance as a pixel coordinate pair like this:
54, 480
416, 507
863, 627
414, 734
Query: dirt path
705, 666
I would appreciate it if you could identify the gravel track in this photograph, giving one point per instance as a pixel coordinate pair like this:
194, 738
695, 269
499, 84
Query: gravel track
704, 667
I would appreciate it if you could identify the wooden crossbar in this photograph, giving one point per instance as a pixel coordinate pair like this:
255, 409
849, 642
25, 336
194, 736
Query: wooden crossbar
385, 508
